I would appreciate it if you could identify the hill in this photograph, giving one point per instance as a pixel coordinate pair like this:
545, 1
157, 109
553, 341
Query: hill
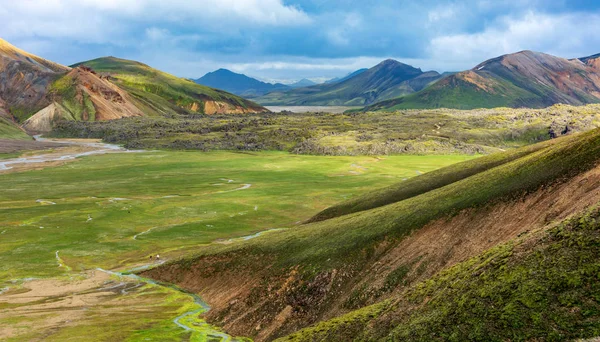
35, 93
163, 94
523, 79
386, 80
238, 84
274, 285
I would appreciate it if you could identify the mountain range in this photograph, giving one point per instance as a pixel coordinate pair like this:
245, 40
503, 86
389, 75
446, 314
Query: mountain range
246, 86
388, 79
35, 92
523, 79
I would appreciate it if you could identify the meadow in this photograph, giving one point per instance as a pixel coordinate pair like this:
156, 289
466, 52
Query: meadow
113, 211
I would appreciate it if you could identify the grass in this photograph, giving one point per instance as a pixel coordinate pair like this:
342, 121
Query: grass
93, 207
350, 244
9, 130
342, 240
541, 287
179, 198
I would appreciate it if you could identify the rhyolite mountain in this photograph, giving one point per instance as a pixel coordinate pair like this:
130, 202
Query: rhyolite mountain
164, 94
386, 80
35, 92
238, 84
523, 79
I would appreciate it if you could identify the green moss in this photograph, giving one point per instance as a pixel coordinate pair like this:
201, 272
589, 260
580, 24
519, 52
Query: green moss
542, 287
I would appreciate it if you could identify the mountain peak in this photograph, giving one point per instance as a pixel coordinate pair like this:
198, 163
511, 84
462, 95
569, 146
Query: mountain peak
394, 64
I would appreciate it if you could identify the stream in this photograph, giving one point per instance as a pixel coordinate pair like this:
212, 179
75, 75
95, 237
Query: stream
188, 320
97, 148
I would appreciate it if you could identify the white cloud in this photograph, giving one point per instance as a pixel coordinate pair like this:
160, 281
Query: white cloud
101, 21
564, 35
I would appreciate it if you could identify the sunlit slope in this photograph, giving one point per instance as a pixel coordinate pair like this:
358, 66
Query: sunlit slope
163, 93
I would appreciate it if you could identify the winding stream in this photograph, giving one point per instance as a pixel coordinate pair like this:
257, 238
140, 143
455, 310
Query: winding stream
188, 320
97, 148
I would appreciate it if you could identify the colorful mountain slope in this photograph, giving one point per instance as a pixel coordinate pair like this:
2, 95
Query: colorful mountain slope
523, 79
164, 94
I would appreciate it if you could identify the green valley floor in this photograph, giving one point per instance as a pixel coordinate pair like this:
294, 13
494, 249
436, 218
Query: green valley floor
67, 227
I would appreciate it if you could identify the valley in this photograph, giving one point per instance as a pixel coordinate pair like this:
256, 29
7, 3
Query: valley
299, 171
128, 206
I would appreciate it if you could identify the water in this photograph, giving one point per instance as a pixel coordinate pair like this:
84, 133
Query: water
98, 148
310, 109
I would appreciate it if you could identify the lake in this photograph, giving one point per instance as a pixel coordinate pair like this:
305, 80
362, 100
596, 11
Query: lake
304, 109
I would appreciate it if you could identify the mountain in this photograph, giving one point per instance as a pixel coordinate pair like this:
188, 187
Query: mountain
161, 93
35, 92
523, 79
386, 80
349, 75
302, 83
238, 84
502, 247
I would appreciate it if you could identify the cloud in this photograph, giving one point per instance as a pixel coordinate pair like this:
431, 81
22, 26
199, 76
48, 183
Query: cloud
565, 35
106, 21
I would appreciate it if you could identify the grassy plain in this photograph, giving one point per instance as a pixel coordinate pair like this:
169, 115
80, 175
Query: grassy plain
113, 211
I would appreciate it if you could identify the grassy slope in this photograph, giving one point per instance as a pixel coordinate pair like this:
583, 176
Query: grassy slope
458, 94
341, 239
352, 243
10, 131
541, 287
427, 182
160, 92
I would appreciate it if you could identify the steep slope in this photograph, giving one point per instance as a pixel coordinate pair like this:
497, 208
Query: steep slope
386, 80
24, 82
523, 79
238, 84
541, 287
165, 94
83, 96
276, 284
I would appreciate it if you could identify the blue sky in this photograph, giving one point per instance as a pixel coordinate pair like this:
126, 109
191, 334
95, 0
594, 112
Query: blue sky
290, 40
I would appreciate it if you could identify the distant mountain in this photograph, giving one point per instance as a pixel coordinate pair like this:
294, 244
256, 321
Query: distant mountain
161, 93
386, 80
302, 83
523, 79
349, 75
238, 84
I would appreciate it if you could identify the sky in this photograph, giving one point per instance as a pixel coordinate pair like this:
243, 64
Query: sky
280, 40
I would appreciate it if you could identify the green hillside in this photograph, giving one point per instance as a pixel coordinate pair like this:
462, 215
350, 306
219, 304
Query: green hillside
295, 267
541, 287
11, 131
162, 93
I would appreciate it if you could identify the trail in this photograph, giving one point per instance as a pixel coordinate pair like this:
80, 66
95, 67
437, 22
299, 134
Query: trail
97, 148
